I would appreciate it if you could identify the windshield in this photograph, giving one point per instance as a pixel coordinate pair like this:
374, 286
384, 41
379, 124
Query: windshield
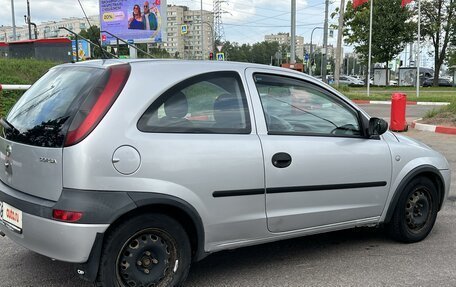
40, 117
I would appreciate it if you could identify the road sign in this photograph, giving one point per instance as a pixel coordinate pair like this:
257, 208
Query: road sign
130, 41
306, 57
219, 48
220, 56
184, 29
328, 67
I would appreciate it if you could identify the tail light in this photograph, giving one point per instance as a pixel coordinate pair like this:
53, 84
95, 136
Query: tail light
97, 104
67, 216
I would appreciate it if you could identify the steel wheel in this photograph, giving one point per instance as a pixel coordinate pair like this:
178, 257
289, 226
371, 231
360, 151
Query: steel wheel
145, 259
418, 209
144, 251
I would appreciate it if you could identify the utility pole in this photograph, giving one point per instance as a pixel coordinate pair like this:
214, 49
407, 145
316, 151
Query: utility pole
293, 33
325, 43
28, 20
339, 42
14, 20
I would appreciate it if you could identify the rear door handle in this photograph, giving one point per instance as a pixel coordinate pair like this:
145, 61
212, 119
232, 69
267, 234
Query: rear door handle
281, 160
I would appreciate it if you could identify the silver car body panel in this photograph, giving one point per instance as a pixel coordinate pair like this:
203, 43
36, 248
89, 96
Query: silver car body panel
192, 167
33, 170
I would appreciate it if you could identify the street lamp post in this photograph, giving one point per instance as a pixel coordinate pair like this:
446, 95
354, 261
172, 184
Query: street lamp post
14, 20
311, 48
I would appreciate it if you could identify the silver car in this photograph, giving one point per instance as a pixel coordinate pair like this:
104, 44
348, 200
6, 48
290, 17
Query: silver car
134, 169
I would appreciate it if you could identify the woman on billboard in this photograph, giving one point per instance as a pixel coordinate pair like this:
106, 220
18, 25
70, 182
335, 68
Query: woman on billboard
136, 22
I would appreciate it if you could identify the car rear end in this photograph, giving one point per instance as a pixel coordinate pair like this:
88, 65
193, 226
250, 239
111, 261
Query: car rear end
58, 111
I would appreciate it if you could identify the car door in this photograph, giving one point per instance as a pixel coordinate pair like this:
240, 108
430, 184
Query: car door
320, 170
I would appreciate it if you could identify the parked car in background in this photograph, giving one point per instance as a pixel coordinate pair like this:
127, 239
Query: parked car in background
134, 169
429, 82
393, 82
351, 81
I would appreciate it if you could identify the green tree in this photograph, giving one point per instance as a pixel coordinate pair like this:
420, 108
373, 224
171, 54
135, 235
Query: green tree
438, 23
392, 29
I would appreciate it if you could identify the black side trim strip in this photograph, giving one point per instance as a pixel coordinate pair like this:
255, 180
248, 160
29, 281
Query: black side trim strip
325, 187
242, 192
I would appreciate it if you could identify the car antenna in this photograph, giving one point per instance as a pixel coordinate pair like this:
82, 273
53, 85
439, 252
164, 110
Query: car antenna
90, 27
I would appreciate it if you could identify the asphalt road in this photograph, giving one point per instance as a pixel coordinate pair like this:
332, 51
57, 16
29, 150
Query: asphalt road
358, 257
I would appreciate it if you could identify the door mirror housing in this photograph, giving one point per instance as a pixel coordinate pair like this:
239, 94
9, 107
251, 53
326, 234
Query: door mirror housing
376, 128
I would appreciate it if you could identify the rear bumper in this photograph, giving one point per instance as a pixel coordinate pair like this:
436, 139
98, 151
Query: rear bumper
69, 242
58, 240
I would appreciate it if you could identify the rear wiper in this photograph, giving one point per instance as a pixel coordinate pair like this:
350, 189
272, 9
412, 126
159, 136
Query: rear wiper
8, 125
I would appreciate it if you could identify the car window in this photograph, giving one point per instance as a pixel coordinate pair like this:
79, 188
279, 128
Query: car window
294, 106
208, 103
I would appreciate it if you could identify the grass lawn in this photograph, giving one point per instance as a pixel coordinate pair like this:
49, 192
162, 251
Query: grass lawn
16, 72
431, 94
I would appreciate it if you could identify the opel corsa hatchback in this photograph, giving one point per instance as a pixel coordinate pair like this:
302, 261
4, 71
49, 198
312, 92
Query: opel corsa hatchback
135, 169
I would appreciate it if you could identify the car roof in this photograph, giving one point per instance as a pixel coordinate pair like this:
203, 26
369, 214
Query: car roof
203, 64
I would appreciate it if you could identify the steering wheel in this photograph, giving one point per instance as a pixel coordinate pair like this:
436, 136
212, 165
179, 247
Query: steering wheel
347, 129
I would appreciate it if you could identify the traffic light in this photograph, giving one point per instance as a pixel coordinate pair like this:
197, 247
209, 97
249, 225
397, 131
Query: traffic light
211, 56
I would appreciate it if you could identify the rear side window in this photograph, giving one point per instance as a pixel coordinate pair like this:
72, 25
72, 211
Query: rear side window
207, 103
41, 116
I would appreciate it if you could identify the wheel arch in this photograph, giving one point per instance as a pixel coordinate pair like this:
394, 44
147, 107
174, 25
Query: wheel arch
174, 207
428, 171
146, 202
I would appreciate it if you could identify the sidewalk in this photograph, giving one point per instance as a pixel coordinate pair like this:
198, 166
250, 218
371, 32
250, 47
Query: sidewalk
408, 103
433, 128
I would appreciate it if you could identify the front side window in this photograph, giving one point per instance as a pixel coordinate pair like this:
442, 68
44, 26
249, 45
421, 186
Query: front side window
293, 106
207, 103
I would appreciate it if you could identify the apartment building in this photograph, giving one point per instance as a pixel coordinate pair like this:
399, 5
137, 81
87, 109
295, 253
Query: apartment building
48, 29
285, 38
184, 37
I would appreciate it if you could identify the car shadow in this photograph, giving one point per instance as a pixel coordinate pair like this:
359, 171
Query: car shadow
220, 268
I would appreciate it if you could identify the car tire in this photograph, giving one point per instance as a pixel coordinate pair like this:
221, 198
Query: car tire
147, 250
415, 212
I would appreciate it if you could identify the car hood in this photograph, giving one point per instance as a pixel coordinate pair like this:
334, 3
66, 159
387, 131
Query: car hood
410, 141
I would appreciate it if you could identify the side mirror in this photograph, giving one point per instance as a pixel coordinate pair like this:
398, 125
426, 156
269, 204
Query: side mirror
377, 127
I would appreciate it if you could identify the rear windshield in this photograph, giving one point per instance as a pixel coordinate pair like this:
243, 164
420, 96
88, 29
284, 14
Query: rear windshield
42, 115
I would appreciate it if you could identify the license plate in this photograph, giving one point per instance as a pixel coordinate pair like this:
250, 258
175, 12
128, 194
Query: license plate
11, 216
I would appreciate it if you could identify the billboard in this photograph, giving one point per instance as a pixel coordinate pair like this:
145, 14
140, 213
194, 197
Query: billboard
83, 49
138, 21
380, 76
407, 76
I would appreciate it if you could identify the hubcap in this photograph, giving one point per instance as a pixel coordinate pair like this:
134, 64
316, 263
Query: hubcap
417, 210
144, 259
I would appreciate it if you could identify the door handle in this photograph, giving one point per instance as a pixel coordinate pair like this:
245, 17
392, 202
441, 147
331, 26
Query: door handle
281, 160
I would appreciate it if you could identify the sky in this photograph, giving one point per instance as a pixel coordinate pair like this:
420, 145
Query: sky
243, 21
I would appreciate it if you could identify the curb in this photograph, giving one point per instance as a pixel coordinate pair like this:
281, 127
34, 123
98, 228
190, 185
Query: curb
433, 128
408, 103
